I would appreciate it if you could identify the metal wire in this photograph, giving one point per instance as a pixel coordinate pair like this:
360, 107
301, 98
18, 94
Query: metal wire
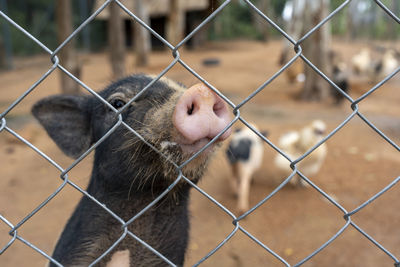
125, 233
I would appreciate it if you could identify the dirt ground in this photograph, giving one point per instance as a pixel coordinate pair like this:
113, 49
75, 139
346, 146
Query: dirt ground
293, 223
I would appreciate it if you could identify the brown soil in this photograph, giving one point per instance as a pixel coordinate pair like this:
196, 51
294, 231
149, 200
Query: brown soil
293, 223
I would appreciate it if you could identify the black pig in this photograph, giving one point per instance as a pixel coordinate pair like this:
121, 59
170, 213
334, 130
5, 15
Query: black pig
127, 174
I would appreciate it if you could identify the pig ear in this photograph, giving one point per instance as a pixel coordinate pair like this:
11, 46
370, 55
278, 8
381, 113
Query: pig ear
67, 121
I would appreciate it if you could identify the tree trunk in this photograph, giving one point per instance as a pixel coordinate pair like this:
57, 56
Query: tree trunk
116, 41
316, 49
175, 22
396, 10
201, 35
84, 12
260, 24
141, 35
3, 61
297, 26
350, 32
6, 55
294, 26
391, 23
67, 55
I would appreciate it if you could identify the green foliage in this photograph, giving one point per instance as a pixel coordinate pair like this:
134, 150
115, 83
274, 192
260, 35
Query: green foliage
98, 35
379, 26
338, 22
233, 21
236, 21
37, 17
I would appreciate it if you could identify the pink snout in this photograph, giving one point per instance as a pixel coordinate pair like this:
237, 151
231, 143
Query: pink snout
200, 114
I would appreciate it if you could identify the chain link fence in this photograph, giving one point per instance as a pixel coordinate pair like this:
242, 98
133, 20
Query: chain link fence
176, 59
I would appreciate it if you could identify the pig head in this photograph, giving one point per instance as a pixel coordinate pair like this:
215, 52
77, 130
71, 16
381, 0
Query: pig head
175, 120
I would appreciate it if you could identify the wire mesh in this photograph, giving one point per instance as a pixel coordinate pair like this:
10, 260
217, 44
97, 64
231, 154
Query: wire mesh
176, 59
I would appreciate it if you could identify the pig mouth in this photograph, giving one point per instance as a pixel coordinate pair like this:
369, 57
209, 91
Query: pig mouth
193, 148
181, 151
188, 149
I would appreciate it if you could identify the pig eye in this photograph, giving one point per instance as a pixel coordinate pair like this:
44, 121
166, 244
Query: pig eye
117, 103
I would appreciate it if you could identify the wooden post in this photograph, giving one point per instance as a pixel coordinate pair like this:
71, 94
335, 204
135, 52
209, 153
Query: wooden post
67, 55
316, 49
116, 41
175, 22
261, 25
141, 35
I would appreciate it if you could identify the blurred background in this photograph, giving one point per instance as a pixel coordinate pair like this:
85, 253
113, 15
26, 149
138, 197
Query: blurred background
238, 52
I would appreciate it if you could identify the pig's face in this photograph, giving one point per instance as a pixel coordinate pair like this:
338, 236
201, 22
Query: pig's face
151, 115
166, 115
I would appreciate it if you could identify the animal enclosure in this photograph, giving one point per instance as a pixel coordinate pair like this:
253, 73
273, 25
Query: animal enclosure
347, 216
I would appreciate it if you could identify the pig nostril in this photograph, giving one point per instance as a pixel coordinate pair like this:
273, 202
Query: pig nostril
219, 108
190, 110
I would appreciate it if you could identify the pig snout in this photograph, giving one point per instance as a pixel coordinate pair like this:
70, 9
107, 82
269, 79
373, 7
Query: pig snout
201, 114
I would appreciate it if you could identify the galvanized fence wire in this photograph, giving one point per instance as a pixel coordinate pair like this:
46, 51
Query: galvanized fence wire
125, 233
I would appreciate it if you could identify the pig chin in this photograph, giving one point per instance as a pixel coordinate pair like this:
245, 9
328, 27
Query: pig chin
181, 152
